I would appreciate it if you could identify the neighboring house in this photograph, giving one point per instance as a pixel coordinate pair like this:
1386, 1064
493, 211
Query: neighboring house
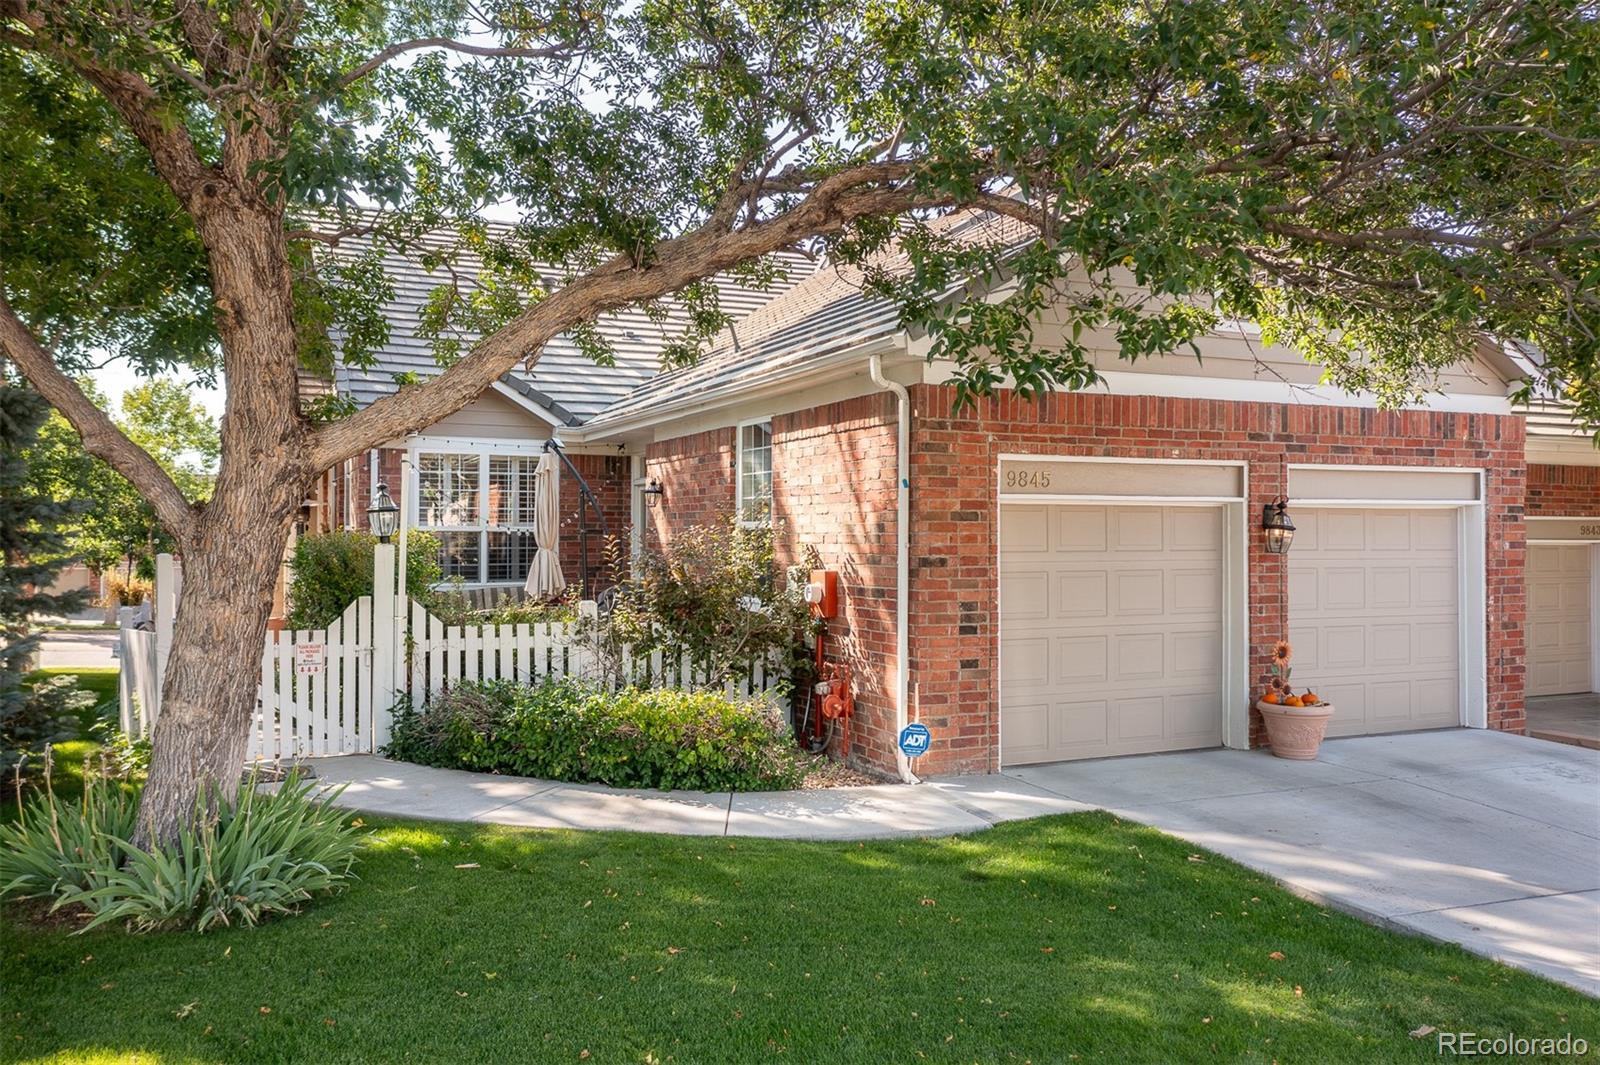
1086, 575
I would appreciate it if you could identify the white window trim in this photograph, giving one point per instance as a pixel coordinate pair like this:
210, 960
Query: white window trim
738, 472
484, 449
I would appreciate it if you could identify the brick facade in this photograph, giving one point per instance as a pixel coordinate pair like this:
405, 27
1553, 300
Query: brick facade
955, 624
833, 489
610, 478
697, 474
1563, 491
833, 478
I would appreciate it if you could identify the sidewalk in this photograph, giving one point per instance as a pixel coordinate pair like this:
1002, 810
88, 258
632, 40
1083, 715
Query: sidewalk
941, 808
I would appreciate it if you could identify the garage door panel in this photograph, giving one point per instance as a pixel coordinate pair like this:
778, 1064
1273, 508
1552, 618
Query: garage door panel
1076, 528
1027, 533
1081, 595
1138, 529
1380, 637
1194, 591
1025, 663
1081, 660
1026, 594
1133, 628
1138, 592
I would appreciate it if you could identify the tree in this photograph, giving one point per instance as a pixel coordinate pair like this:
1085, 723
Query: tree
173, 174
31, 554
115, 525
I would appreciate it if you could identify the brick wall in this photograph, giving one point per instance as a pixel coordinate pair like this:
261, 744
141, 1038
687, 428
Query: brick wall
697, 474
1563, 491
610, 478
833, 481
955, 624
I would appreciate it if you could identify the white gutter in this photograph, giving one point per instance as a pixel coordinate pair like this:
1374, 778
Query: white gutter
902, 530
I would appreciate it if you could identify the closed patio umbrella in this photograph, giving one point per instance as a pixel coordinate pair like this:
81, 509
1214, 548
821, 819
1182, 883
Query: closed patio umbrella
544, 576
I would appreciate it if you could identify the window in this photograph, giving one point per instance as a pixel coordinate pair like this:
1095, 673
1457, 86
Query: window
755, 473
481, 507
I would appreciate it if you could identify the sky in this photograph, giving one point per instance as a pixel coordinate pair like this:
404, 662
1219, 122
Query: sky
118, 376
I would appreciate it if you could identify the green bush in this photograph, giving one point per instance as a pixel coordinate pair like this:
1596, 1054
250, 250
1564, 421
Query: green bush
452, 606
261, 853
714, 595
331, 570
633, 738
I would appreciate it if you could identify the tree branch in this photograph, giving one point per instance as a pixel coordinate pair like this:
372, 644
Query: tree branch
831, 205
100, 435
355, 74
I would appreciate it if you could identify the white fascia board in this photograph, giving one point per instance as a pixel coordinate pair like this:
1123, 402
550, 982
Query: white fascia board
1242, 390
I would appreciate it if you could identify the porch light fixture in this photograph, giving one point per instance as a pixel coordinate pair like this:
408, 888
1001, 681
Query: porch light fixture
383, 517
653, 493
1277, 526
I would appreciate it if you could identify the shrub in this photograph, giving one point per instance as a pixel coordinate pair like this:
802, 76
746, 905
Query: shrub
260, 853
636, 738
713, 596
119, 589
331, 570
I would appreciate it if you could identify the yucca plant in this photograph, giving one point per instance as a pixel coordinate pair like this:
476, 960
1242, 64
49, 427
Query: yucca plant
243, 857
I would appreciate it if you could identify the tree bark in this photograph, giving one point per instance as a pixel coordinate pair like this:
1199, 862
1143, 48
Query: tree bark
209, 691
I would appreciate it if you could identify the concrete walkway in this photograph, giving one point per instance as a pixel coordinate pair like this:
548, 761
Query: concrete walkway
1484, 839
1571, 719
93, 648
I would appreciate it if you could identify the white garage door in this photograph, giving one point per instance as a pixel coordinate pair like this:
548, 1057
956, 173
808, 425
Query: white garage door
1558, 620
1111, 621
1374, 616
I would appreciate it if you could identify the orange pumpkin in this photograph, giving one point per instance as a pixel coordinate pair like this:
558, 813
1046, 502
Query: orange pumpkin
1294, 700
1310, 699
1270, 697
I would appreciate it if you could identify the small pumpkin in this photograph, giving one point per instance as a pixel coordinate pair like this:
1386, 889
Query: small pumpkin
1270, 697
1294, 700
1310, 699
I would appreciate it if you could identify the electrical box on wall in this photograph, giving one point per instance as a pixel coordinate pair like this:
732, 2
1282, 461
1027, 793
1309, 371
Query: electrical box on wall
822, 592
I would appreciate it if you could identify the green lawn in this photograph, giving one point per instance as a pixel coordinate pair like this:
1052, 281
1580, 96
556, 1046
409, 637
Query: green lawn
68, 756
1066, 938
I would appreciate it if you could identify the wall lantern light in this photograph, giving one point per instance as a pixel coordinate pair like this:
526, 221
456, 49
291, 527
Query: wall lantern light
383, 517
1278, 528
653, 493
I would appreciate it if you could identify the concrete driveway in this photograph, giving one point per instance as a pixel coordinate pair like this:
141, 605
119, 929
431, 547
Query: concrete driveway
1484, 839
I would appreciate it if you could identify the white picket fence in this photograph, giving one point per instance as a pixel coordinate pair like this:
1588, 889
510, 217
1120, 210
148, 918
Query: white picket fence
331, 691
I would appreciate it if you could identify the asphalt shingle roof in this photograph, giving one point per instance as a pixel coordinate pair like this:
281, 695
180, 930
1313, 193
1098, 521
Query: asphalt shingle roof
563, 378
824, 313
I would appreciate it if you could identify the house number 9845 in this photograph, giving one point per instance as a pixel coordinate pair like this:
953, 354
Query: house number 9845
1028, 479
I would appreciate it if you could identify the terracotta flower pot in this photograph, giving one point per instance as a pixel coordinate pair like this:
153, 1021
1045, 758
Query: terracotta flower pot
1295, 731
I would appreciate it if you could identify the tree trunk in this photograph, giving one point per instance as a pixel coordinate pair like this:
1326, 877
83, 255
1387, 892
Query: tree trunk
209, 691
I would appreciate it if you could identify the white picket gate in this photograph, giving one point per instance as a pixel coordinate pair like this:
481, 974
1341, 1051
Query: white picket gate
331, 691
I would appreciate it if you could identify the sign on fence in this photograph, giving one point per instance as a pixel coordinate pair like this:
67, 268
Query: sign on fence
308, 657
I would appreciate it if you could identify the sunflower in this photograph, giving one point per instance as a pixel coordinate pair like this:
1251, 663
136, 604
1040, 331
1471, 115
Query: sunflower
1281, 653
1278, 685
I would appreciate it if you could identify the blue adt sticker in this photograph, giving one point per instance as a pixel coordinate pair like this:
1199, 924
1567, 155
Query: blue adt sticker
914, 739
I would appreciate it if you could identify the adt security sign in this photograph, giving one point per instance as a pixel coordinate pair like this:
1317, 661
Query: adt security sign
914, 740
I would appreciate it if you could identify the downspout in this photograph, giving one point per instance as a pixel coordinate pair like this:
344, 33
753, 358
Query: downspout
902, 529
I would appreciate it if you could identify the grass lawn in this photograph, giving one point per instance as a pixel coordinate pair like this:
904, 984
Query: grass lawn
68, 756
1067, 938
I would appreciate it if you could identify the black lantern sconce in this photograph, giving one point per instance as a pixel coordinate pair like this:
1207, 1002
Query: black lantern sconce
383, 517
1278, 528
653, 493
